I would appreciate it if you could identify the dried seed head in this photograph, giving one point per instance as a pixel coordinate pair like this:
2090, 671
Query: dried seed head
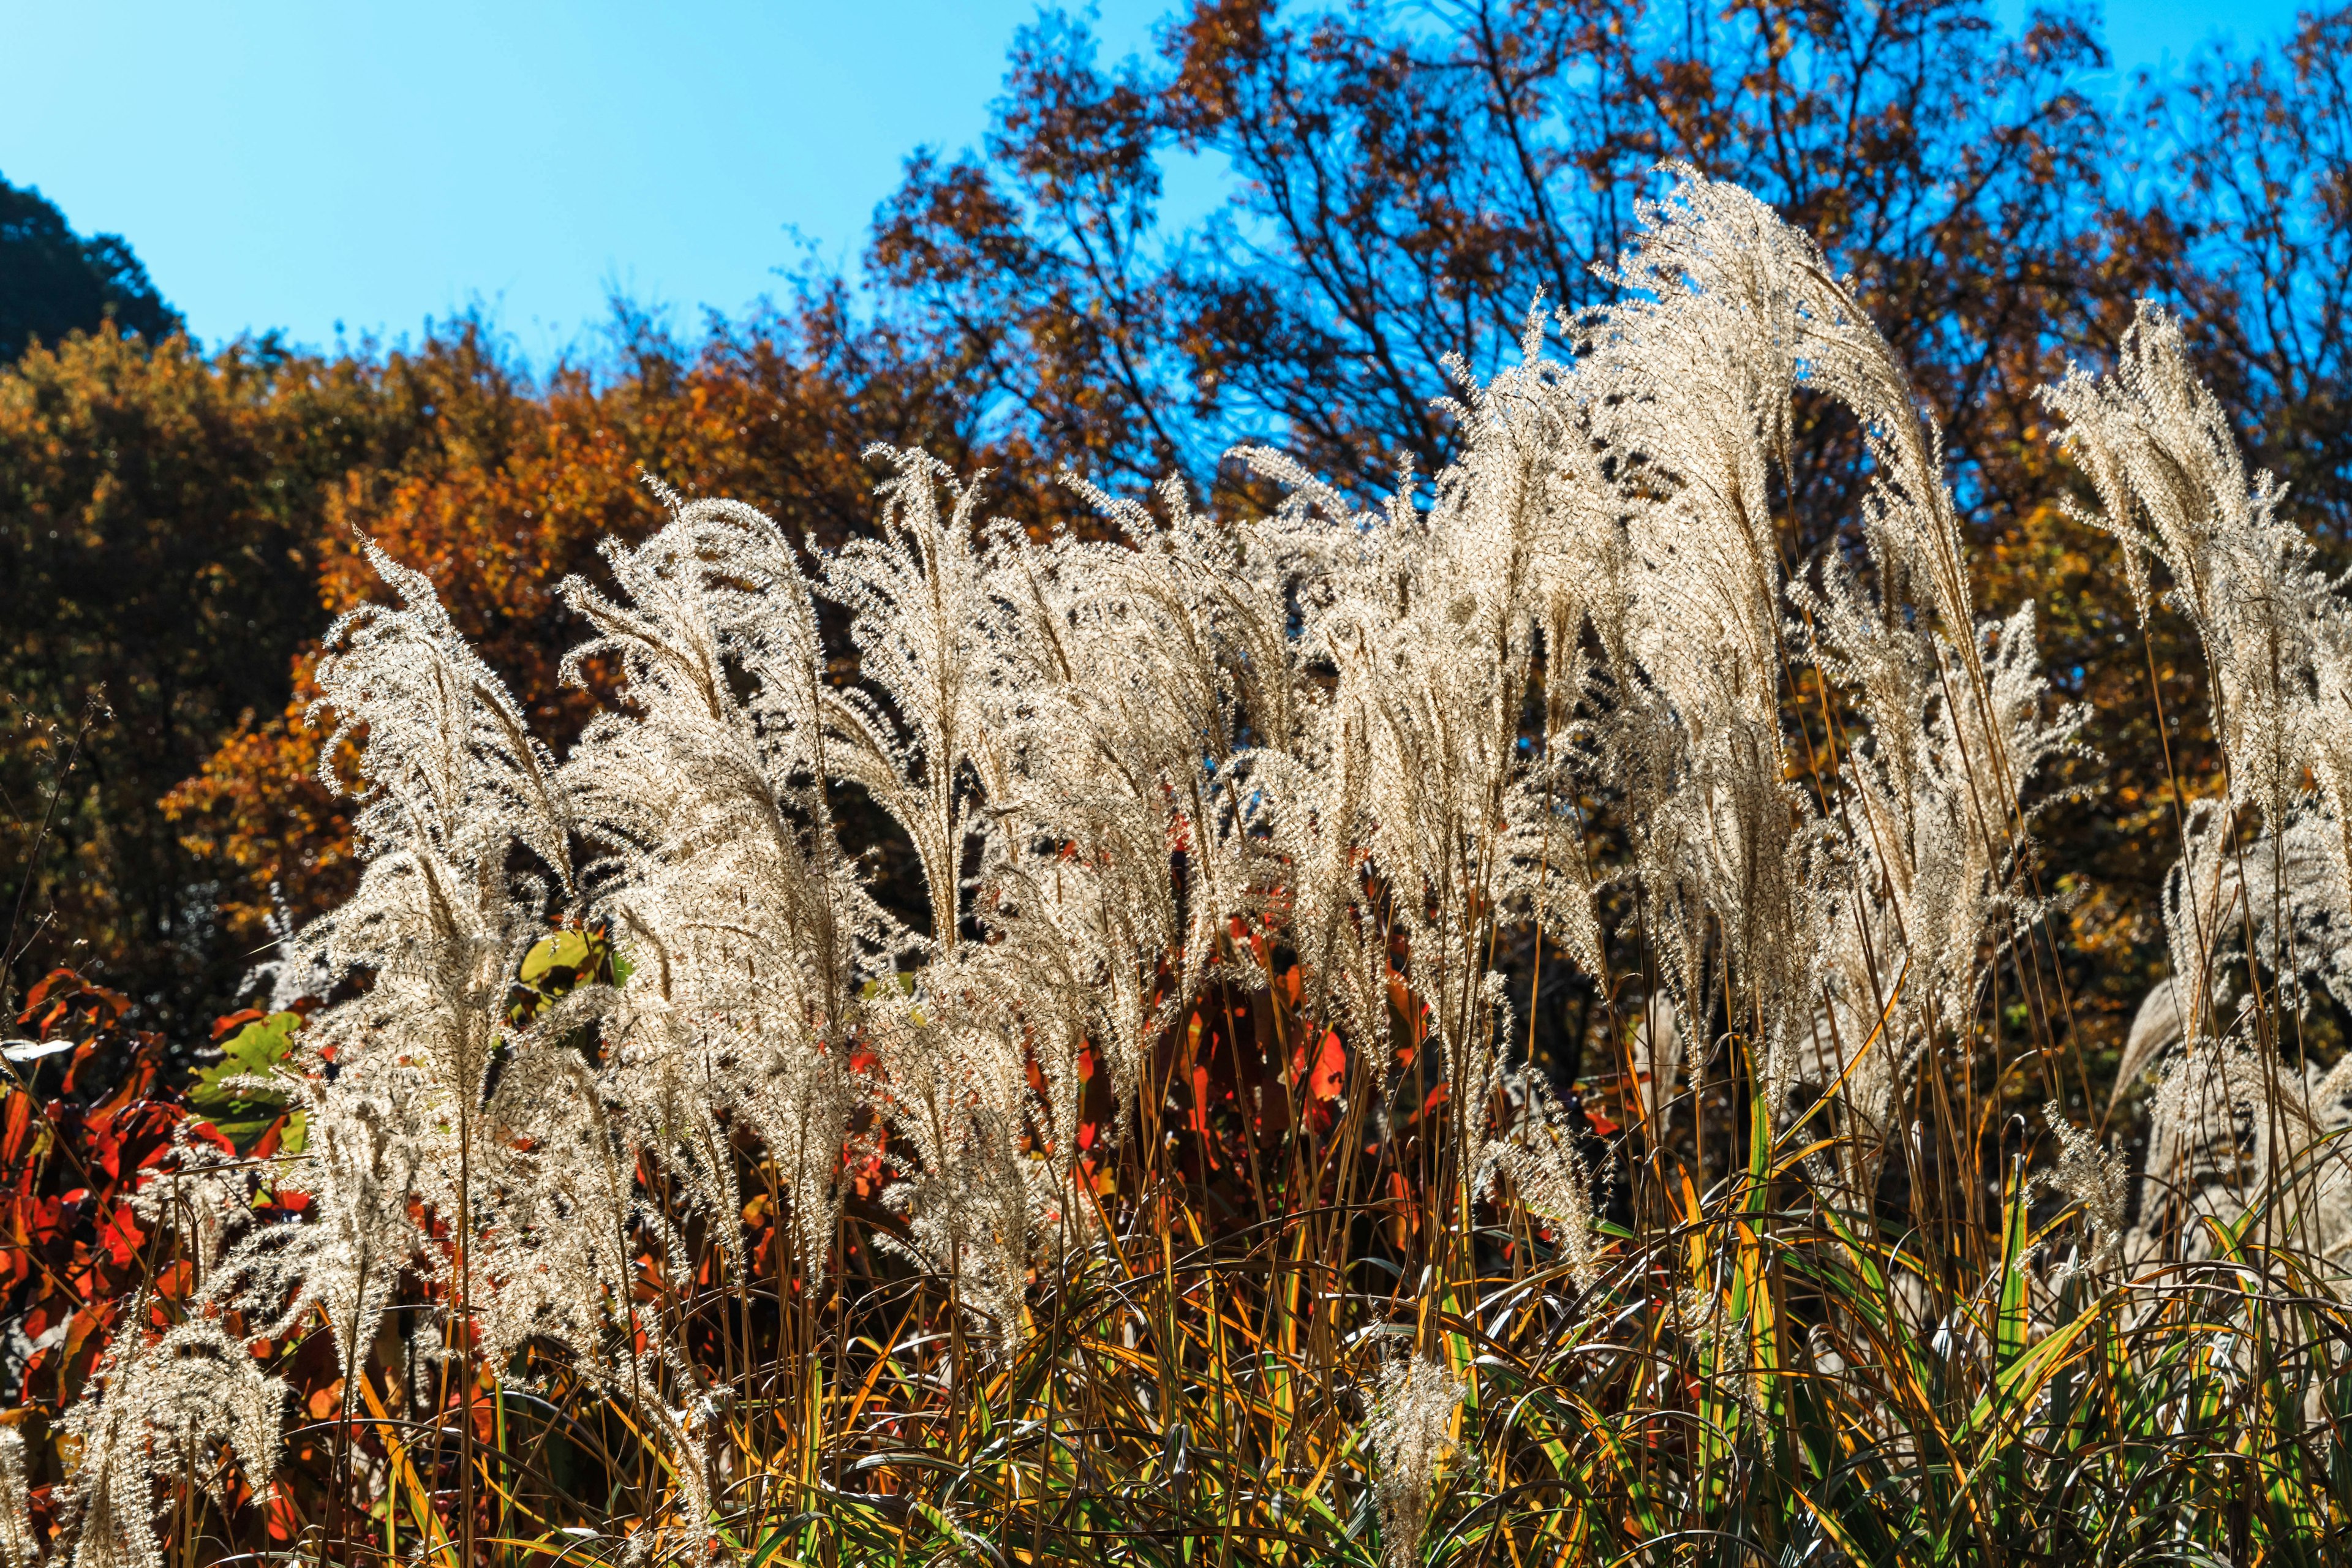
1410, 1428
2094, 1177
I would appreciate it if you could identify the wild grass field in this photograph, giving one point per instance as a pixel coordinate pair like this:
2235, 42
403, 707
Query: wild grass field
1011, 1046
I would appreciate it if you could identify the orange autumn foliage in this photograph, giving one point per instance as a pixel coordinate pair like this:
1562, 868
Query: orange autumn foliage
776, 411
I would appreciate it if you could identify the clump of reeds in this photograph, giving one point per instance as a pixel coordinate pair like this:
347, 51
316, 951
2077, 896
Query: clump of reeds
1174, 1184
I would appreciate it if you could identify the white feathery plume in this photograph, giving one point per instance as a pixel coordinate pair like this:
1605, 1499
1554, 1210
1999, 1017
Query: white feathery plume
955, 1088
559, 1262
18, 1546
2172, 487
919, 613
2094, 1177
1410, 1430
749, 929
2230, 1121
1539, 1152
1692, 382
160, 1405
361, 1161
453, 783
1130, 677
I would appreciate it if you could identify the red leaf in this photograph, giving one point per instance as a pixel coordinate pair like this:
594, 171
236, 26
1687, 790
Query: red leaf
271, 1136
285, 1519
20, 1120
85, 1334
76, 1062
228, 1024
122, 1236
101, 1145
159, 1146
324, 1402
1330, 1068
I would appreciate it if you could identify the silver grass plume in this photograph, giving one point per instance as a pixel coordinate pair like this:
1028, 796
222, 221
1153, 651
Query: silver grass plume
750, 928
1127, 676
160, 1404
361, 1162
1933, 874
1703, 1315
558, 1177
1691, 382
2172, 487
1738, 313
2208, 1146
452, 784
1410, 1430
19, 1548
2094, 1177
918, 611
957, 1091
2277, 636
2229, 1121
2233, 1132
1691, 379
1548, 1173
1414, 780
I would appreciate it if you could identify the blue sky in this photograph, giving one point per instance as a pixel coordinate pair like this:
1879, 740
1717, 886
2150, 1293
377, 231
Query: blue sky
298, 165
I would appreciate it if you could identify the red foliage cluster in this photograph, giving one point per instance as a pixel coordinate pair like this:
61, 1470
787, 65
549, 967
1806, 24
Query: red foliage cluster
82, 1129
90, 1127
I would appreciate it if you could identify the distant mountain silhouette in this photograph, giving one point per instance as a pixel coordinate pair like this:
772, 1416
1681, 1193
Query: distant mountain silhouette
53, 281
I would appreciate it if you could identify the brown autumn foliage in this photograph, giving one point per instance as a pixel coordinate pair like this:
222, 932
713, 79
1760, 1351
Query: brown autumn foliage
158, 540
775, 411
180, 530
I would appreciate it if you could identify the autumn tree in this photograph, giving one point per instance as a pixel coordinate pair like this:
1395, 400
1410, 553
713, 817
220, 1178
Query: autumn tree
2251, 154
54, 282
775, 410
1405, 185
161, 512
1404, 189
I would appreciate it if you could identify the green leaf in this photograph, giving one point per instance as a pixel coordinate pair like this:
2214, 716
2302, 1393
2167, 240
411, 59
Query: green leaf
566, 950
557, 964
254, 1051
2012, 1321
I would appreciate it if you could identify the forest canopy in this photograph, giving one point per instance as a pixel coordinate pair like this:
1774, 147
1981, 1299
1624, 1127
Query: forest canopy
53, 282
